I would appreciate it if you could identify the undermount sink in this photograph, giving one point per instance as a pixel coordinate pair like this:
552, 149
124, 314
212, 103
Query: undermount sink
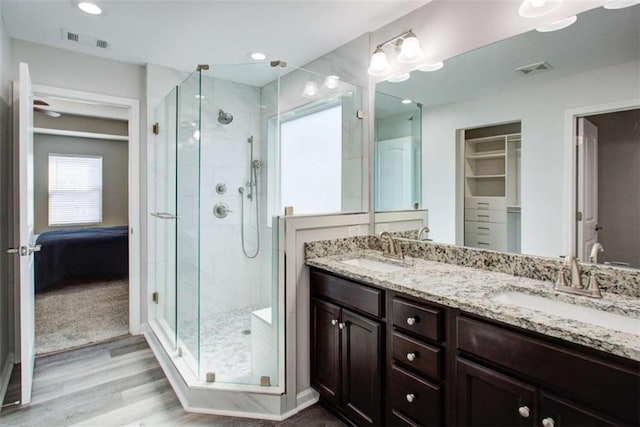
369, 264
567, 310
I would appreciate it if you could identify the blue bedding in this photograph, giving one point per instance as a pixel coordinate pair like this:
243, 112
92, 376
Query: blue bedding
81, 253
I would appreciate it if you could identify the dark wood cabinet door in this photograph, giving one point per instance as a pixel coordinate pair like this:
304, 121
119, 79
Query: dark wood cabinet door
361, 368
488, 398
558, 412
325, 350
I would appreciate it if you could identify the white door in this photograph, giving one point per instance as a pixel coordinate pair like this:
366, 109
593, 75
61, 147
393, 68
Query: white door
394, 174
25, 246
587, 187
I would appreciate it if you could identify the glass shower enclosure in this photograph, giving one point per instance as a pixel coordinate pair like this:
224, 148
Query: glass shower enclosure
213, 257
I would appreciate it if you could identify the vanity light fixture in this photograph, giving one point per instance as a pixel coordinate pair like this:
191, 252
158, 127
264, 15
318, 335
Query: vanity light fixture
90, 8
310, 89
620, 4
402, 77
257, 56
432, 67
537, 8
557, 25
406, 101
410, 52
331, 82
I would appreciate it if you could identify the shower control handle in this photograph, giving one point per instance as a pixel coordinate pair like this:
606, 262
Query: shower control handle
221, 210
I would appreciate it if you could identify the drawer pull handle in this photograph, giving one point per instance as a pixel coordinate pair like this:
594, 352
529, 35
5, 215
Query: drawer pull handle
341, 325
411, 356
483, 228
411, 320
334, 322
524, 411
548, 422
411, 397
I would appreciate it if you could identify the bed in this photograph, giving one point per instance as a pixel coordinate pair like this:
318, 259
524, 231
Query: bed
91, 253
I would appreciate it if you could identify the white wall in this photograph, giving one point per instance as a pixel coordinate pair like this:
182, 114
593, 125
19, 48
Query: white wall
6, 332
541, 108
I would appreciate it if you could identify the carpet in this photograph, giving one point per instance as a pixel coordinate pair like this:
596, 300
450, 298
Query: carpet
81, 314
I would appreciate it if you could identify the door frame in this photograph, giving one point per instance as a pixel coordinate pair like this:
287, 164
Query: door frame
134, 191
570, 181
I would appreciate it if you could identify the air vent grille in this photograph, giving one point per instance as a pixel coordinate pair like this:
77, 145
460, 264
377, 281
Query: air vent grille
84, 39
538, 67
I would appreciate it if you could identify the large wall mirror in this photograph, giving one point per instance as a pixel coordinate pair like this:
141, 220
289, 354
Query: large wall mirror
529, 145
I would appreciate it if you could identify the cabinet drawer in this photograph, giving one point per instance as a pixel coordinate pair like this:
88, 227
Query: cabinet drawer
347, 293
415, 398
486, 229
416, 319
417, 355
565, 371
486, 203
496, 243
485, 215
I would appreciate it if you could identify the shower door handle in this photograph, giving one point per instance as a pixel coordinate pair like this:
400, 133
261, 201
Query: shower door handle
164, 215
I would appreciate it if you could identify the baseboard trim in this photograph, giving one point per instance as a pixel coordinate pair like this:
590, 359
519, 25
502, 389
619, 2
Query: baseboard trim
5, 376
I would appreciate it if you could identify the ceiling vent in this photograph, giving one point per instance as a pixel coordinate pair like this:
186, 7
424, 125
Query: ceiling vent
538, 67
84, 39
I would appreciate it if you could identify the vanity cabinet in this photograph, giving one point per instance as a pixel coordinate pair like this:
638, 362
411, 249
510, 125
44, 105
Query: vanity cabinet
509, 377
347, 335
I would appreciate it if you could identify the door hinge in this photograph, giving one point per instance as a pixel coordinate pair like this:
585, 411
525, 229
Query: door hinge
579, 216
155, 297
360, 114
156, 129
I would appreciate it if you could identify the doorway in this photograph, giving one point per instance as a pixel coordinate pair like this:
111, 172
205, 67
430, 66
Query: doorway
608, 177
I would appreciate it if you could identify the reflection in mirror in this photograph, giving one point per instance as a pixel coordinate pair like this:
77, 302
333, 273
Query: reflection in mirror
500, 153
398, 148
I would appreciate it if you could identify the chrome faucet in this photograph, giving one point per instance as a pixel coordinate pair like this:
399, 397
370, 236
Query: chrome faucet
576, 288
391, 249
424, 230
595, 249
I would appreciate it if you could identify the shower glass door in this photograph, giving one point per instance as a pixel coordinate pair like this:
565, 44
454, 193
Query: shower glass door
162, 223
188, 222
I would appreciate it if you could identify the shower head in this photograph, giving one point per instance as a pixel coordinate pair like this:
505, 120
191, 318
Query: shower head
225, 118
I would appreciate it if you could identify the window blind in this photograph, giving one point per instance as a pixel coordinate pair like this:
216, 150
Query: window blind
75, 189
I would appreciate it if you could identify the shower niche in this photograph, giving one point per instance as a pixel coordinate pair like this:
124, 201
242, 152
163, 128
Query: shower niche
215, 265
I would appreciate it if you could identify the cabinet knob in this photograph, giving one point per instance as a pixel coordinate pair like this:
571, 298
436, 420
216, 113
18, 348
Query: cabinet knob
341, 325
411, 397
548, 422
411, 356
411, 321
334, 322
524, 411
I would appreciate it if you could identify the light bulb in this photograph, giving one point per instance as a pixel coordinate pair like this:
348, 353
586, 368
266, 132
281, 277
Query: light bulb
399, 78
537, 8
431, 67
331, 82
310, 89
537, 3
621, 4
379, 63
410, 50
557, 25
90, 8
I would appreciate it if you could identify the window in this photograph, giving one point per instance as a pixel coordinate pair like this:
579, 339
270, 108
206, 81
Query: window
75, 189
311, 162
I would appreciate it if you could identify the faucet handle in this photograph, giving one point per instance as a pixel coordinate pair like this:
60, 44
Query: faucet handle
593, 287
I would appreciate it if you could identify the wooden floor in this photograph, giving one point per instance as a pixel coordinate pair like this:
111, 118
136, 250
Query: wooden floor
118, 383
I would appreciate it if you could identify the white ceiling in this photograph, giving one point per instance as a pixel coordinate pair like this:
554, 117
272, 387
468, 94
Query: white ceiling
599, 38
181, 34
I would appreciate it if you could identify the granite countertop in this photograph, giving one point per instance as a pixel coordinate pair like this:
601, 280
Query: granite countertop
471, 290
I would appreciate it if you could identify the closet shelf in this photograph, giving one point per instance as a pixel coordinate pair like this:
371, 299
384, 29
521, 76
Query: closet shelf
487, 156
485, 176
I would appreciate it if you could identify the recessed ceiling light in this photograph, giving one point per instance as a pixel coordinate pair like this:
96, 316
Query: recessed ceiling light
432, 67
90, 8
258, 56
557, 25
536, 8
621, 4
406, 101
399, 78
